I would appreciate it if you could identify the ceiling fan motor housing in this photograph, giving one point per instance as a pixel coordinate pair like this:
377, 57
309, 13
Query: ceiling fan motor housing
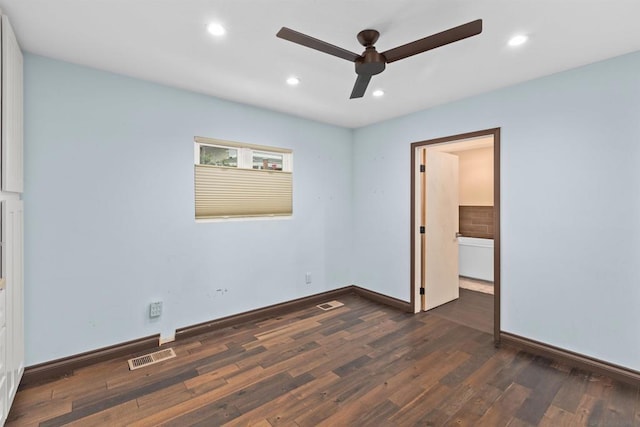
371, 62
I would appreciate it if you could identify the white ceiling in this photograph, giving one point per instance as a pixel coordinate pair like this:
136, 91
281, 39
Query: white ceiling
165, 41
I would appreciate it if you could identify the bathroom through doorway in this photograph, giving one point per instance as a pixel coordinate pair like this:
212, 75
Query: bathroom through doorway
455, 245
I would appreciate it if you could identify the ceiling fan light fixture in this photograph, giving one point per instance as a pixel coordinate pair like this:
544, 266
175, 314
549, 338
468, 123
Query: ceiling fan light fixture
518, 40
293, 81
216, 29
378, 93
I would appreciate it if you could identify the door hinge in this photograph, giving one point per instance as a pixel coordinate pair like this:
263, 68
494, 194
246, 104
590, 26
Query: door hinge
421, 291
422, 168
422, 230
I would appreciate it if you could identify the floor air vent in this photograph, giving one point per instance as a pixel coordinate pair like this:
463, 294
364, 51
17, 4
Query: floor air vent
150, 359
330, 305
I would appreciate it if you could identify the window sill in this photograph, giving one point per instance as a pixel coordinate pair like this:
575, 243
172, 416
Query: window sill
245, 218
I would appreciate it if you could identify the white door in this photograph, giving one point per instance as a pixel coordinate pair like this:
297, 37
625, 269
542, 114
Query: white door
3, 354
12, 110
441, 226
12, 268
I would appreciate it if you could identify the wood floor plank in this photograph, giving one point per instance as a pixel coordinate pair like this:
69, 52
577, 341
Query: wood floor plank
486, 372
621, 407
360, 364
243, 401
534, 372
233, 381
333, 398
593, 404
34, 414
208, 347
583, 411
473, 309
475, 407
259, 415
99, 396
502, 412
213, 363
557, 417
168, 396
422, 404
167, 415
597, 413
457, 398
152, 403
571, 391
421, 375
113, 416
212, 376
303, 399
505, 377
39, 396
69, 387
471, 366
517, 422
637, 409
358, 413
87, 408
535, 406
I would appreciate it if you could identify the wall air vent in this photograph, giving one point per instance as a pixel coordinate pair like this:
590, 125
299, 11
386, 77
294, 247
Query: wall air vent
330, 305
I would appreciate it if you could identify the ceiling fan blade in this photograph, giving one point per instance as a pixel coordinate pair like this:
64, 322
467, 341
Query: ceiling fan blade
436, 40
313, 43
360, 87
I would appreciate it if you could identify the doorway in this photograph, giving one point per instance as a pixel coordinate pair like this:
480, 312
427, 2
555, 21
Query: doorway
435, 221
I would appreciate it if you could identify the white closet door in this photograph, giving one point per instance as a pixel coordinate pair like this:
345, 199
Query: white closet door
12, 111
11, 292
4, 405
12, 270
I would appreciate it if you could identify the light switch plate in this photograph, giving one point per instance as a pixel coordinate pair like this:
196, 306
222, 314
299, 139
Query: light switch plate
155, 309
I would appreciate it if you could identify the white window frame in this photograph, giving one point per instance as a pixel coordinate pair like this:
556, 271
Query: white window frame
245, 152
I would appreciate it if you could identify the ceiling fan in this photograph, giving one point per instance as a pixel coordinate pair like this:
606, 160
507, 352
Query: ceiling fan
371, 62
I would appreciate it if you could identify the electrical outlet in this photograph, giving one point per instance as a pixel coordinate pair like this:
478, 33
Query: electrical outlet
155, 309
307, 278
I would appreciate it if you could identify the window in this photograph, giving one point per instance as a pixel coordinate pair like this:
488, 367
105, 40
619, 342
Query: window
241, 180
270, 161
218, 156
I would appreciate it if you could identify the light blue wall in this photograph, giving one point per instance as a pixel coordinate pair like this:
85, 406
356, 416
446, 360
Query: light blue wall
109, 208
570, 204
109, 211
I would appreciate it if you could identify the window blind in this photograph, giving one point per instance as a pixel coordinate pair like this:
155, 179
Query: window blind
233, 192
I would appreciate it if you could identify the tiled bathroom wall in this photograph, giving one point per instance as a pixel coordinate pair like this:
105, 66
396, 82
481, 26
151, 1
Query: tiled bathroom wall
476, 221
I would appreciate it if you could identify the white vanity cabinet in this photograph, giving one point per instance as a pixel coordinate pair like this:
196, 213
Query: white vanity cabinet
11, 234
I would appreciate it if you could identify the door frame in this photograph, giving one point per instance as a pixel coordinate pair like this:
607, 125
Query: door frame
415, 219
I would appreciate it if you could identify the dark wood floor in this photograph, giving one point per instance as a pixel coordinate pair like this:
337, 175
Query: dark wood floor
473, 309
362, 364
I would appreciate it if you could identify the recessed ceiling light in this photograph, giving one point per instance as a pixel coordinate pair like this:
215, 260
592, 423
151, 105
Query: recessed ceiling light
518, 40
378, 93
216, 29
293, 81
